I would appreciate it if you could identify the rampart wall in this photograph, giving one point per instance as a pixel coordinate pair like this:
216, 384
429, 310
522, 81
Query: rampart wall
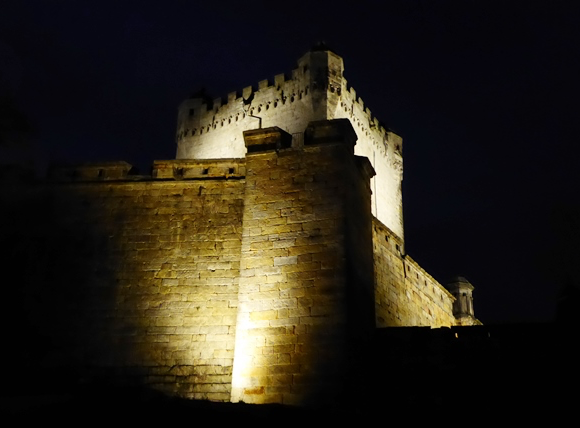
234, 279
406, 295
138, 277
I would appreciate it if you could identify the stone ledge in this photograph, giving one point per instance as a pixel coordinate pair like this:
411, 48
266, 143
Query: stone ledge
90, 171
267, 139
180, 169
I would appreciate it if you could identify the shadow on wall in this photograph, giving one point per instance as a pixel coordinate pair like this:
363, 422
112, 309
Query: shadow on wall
60, 288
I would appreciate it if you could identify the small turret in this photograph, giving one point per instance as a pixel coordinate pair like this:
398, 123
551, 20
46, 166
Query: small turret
323, 69
462, 290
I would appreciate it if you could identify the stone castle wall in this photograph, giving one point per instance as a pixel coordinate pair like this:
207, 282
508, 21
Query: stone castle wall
406, 295
144, 273
233, 279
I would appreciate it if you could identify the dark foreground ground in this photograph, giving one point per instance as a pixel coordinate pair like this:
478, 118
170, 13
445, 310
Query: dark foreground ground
462, 376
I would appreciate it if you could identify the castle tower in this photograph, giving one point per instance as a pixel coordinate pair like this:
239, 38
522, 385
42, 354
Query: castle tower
306, 294
316, 90
462, 290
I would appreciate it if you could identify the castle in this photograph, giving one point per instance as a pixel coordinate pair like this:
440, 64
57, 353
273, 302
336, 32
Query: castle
254, 265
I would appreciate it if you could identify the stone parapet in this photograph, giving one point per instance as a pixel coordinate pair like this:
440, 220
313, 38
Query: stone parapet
183, 169
90, 171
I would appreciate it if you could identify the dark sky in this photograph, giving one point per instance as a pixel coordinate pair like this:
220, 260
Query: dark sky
484, 93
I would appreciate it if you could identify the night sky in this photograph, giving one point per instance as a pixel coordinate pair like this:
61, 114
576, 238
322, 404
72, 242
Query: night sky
484, 93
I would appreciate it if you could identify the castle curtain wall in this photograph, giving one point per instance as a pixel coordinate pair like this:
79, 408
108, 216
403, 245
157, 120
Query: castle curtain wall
132, 280
252, 279
406, 295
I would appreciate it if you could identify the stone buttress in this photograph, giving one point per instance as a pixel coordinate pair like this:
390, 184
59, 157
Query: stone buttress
306, 267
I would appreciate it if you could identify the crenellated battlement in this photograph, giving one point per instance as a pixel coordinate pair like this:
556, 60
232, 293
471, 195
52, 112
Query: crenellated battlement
369, 125
280, 92
201, 118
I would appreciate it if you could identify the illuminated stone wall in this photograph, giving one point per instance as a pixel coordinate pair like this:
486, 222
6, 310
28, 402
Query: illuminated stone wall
144, 273
253, 279
406, 295
301, 290
315, 90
